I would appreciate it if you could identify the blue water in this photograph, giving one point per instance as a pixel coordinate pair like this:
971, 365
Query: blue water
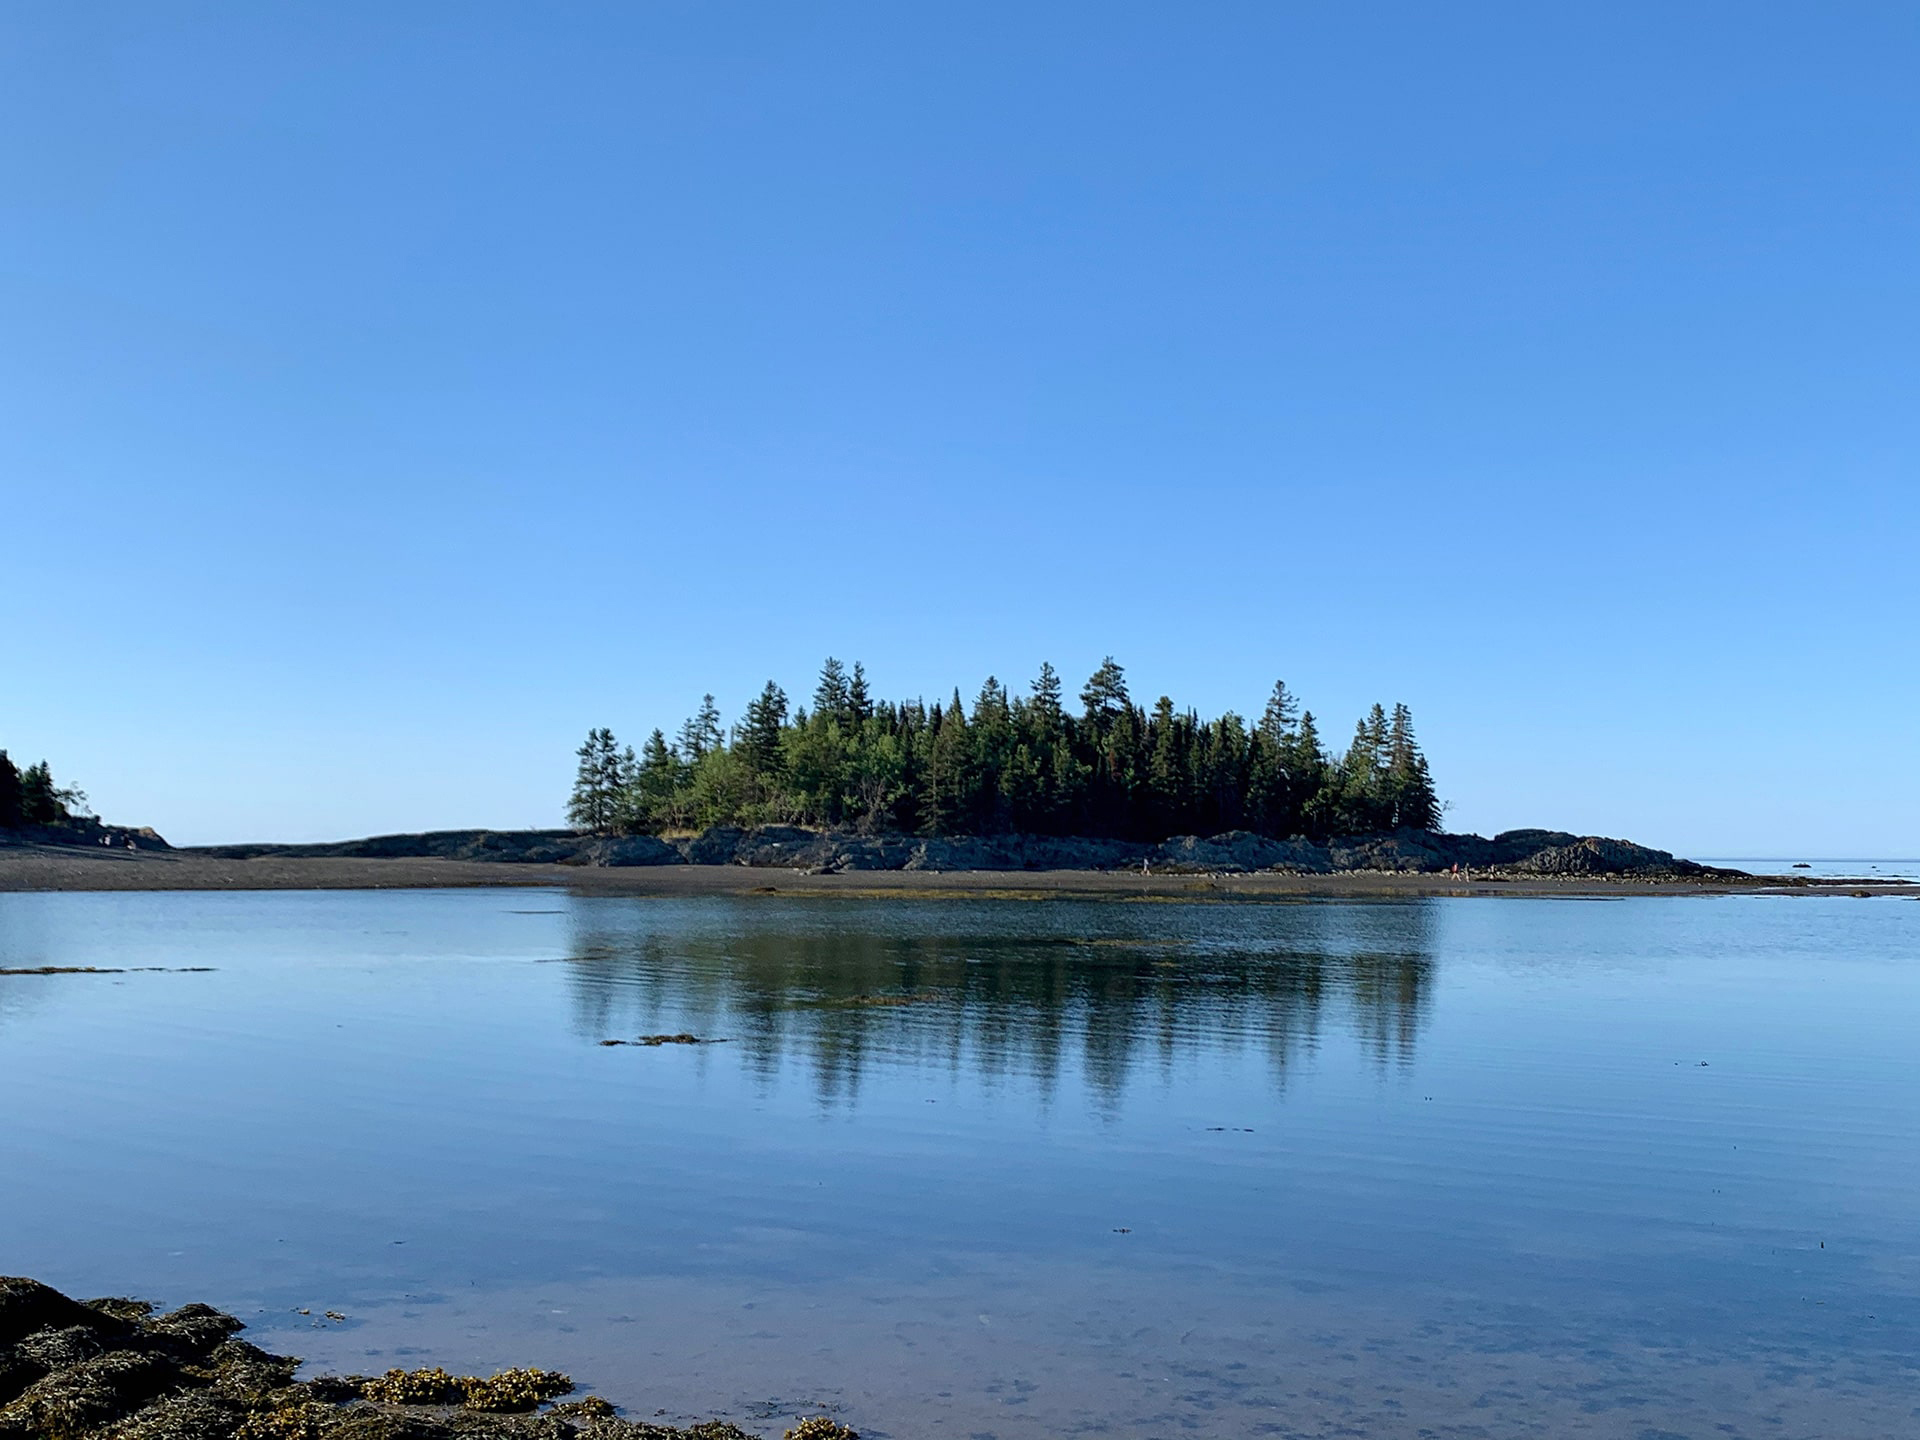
1825, 869
1636, 1167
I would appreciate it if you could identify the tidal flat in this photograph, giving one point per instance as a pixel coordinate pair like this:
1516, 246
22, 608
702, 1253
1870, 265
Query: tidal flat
1392, 1167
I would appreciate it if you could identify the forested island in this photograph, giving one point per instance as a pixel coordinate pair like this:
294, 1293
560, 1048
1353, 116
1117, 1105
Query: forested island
1008, 764
1008, 783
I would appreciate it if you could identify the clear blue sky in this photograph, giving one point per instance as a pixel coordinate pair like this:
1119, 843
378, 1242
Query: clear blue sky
391, 392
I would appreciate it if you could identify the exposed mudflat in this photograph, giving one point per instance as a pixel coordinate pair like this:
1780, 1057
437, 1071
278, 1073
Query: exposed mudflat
55, 867
113, 1370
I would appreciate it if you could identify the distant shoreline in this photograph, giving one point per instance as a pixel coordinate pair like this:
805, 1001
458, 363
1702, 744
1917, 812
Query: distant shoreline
50, 868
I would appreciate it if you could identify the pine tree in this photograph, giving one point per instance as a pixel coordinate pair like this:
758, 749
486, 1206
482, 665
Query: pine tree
832, 699
1409, 784
1049, 718
993, 746
598, 784
760, 731
1276, 721
702, 731
11, 797
1105, 695
859, 702
656, 785
1310, 775
1169, 770
39, 796
950, 773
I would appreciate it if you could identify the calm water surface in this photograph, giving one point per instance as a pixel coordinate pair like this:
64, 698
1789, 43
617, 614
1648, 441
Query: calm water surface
1639, 1167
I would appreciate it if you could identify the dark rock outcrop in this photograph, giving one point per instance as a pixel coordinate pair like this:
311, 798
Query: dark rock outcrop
793, 847
1593, 855
627, 850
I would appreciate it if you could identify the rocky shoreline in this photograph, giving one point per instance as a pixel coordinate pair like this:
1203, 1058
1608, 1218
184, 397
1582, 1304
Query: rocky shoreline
114, 1370
1526, 853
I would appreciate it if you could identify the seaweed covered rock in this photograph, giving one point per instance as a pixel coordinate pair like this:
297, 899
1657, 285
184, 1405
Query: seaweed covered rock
112, 1370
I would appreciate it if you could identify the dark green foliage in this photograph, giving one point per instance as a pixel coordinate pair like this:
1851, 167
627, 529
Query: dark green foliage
702, 732
30, 796
600, 783
11, 796
759, 738
1011, 763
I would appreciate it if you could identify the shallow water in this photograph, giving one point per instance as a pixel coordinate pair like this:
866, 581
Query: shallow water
1639, 1167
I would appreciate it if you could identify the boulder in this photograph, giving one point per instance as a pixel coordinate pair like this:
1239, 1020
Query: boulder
716, 846
1234, 850
624, 850
1415, 851
784, 846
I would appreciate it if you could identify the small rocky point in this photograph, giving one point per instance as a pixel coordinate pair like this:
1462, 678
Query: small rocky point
113, 1370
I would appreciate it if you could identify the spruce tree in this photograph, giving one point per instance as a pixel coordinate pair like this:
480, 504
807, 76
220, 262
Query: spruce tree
1169, 772
598, 784
656, 785
1310, 775
832, 698
1276, 721
1409, 783
39, 796
702, 731
949, 794
1047, 714
760, 731
859, 702
11, 797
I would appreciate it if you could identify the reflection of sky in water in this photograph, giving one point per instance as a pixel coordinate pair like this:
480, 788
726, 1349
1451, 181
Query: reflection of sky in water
1452, 1166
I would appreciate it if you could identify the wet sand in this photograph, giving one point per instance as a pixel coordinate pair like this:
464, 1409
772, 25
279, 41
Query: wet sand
48, 867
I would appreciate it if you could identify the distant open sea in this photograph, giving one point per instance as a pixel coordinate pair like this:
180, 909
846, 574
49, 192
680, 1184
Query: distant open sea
1826, 869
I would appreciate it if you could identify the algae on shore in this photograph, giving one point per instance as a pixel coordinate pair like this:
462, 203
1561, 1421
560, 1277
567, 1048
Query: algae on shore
113, 1370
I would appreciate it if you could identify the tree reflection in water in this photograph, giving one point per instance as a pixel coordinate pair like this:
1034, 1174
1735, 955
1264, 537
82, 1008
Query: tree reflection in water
1003, 989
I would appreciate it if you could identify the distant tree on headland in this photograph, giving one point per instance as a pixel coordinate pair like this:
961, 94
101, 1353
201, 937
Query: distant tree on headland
30, 796
1010, 764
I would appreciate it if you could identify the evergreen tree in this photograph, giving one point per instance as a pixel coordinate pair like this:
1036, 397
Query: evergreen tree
859, 702
832, 697
1169, 770
759, 744
1105, 696
1311, 775
39, 796
950, 783
656, 786
1409, 784
1049, 718
701, 732
599, 784
11, 796
993, 747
